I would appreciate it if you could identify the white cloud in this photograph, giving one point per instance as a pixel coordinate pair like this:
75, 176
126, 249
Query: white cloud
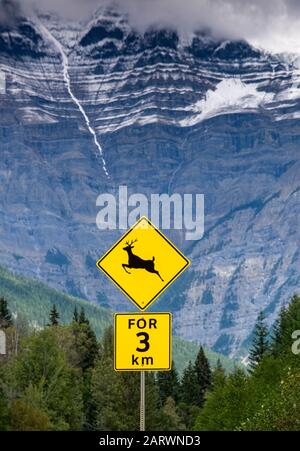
270, 24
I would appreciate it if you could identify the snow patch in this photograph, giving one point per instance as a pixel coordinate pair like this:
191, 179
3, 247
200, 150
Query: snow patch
230, 96
225, 271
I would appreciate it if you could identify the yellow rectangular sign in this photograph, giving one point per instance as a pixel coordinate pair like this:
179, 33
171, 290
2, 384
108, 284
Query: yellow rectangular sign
143, 342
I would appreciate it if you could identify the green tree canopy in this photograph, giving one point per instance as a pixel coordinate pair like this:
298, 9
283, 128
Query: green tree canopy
203, 375
189, 389
41, 376
168, 384
54, 316
259, 346
5, 315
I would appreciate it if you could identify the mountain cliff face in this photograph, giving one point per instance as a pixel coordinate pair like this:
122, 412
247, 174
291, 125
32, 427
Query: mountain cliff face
161, 114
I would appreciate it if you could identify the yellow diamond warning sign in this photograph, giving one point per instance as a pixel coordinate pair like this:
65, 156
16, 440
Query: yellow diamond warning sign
143, 263
142, 342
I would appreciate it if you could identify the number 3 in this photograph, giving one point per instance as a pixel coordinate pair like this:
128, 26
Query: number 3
145, 341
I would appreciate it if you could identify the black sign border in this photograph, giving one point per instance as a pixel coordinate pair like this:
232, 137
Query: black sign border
98, 264
141, 314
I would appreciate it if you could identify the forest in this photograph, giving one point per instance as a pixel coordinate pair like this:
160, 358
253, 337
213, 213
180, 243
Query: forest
61, 378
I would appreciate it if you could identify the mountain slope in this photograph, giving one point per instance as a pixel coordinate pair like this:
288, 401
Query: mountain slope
33, 301
170, 115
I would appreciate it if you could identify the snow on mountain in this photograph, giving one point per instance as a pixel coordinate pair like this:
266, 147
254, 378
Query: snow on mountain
229, 96
159, 65
160, 114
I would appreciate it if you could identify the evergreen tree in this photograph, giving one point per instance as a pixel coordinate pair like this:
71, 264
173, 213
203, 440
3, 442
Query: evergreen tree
203, 375
107, 343
153, 413
172, 420
85, 339
82, 318
168, 384
218, 376
4, 415
276, 332
189, 388
75, 315
54, 316
259, 343
86, 343
112, 391
287, 322
87, 349
226, 404
116, 395
91, 346
5, 315
109, 398
219, 366
43, 380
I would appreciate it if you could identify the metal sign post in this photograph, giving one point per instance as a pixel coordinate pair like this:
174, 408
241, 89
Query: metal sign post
142, 341
142, 406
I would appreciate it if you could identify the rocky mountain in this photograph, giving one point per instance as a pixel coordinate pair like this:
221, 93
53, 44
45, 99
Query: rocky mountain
93, 105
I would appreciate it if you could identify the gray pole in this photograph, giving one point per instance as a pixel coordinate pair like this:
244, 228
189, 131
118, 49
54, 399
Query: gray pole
142, 406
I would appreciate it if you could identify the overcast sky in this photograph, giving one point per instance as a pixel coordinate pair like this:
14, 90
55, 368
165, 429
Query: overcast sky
270, 24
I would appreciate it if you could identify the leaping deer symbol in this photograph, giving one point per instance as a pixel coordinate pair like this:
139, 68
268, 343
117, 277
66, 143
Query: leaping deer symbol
135, 262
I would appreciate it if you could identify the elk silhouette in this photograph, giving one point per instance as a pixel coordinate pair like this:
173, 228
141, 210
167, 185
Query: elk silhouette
135, 262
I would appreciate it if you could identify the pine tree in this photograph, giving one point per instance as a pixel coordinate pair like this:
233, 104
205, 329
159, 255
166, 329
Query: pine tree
87, 350
91, 345
168, 384
189, 397
75, 315
189, 388
259, 343
5, 315
109, 396
172, 420
4, 409
226, 405
278, 331
46, 381
54, 317
154, 420
107, 342
219, 366
82, 318
203, 374
115, 395
287, 322
86, 343
86, 340
218, 375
